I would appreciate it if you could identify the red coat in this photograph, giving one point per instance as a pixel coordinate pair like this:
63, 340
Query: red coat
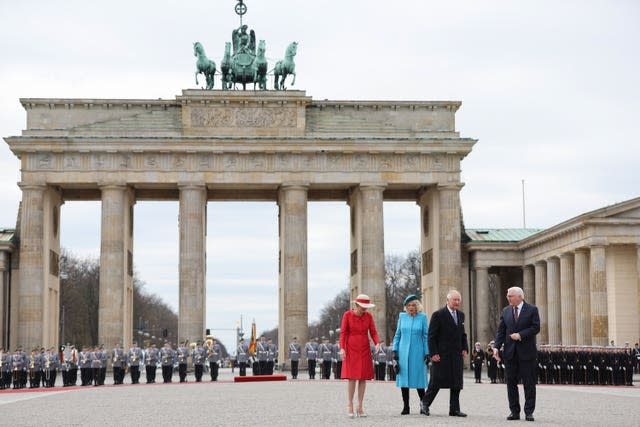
354, 339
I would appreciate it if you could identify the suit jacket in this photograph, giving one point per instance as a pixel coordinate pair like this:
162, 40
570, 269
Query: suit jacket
448, 340
528, 326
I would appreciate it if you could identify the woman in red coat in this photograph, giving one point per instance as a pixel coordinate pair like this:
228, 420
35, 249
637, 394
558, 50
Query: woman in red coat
357, 364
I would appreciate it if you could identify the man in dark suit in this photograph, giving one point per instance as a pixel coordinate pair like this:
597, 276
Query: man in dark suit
448, 349
519, 325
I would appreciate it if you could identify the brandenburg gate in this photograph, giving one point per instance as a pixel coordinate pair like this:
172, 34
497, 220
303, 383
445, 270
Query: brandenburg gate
206, 145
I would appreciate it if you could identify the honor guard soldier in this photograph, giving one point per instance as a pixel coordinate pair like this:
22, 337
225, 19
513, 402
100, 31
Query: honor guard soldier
242, 356
64, 354
338, 358
34, 368
119, 363
167, 360
325, 354
103, 368
492, 364
272, 356
477, 360
391, 363
50, 368
151, 360
198, 358
311, 353
22, 372
213, 357
96, 366
85, 366
294, 357
134, 358
183, 354
73, 365
5, 369
380, 361
262, 353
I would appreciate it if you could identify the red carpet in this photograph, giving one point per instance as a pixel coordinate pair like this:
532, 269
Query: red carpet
260, 378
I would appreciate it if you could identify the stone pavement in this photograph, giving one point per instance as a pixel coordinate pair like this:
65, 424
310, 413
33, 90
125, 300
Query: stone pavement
302, 401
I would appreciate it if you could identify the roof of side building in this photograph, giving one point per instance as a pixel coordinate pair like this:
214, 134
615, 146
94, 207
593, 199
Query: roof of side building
500, 234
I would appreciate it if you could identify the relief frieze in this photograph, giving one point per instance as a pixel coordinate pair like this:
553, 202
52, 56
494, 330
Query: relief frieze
229, 117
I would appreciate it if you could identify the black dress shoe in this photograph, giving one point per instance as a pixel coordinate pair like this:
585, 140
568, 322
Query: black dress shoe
405, 411
513, 416
423, 409
529, 418
457, 414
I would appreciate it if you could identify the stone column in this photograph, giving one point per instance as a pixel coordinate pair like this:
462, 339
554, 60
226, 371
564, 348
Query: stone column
292, 292
541, 300
553, 300
367, 250
528, 284
583, 297
567, 297
39, 282
599, 309
450, 267
115, 311
193, 222
4, 303
482, 305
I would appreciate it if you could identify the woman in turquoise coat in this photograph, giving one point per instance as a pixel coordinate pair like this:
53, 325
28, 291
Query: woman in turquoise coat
410, 350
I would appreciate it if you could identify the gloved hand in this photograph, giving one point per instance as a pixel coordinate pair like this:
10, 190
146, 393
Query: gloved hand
427, 359
395, 355
396, 368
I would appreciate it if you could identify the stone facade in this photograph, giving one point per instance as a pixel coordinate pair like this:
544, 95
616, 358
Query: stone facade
227, 145
585, 275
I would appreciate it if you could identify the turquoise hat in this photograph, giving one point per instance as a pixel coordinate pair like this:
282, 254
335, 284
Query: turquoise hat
410, 298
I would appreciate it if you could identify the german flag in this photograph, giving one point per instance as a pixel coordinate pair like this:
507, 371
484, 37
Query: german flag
252, 343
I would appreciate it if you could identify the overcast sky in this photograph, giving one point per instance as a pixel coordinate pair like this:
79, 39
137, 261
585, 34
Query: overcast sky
549, 88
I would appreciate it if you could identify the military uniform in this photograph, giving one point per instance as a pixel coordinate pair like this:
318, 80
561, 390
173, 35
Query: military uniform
379, 361
294, 357
325, 354
134, 359
34, 361
262, 354
311, 353
242, 356
183, 355
85, 366
337, 374
272, 357
492, 365
477, 360
198, 358
119, 363
5, 369
96, 367
213, 357
151, 360
391, 364
50, 368
167, 360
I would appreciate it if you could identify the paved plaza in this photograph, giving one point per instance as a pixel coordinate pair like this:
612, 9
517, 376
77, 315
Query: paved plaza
303, 402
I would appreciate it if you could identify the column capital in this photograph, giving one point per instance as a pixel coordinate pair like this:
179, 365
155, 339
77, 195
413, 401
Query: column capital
581, 250
371, 186
541, 263
565, 255
192, 186
294, 186
112, 185
481, 267
453, 186
28, 186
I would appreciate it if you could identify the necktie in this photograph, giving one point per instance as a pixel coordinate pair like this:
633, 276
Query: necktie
455, 316
515, 314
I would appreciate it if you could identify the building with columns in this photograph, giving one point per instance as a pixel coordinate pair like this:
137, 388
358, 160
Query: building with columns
583, 274
275, 146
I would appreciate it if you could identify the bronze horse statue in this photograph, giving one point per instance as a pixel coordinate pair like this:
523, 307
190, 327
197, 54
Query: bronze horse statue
285, 67
204, 65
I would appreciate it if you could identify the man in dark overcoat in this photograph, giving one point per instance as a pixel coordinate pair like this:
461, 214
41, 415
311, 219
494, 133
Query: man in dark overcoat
519, 325
448, 349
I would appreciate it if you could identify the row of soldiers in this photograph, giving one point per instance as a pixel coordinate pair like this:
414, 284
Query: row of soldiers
41, 366
590, 365
326, 356
585, 365
262, 359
